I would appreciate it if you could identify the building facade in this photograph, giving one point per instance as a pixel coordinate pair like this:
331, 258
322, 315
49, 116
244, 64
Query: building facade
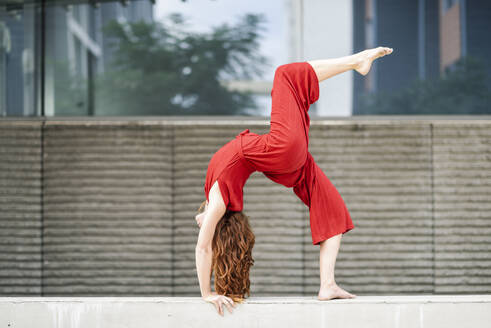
428, 37
64, 40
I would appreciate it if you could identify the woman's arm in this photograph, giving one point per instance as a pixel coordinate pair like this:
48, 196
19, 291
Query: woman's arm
216, 209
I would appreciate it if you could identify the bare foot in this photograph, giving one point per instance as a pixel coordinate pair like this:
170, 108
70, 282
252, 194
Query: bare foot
333, 291
368, 56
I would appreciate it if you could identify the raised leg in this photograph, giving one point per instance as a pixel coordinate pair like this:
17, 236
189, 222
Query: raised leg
295, 88
361, 62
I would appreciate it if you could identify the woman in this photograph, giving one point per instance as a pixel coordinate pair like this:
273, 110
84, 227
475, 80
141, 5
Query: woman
225, 239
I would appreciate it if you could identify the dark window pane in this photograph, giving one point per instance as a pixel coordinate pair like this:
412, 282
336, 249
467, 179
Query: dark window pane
18, 59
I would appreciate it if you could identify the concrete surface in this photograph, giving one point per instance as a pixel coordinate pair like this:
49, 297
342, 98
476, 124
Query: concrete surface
147, 312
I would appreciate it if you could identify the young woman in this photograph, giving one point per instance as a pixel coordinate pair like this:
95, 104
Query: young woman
225, 239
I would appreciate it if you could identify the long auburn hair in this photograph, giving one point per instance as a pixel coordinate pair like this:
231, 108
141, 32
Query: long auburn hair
232, 254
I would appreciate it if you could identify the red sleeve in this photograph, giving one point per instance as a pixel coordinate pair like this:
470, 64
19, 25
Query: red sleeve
224, 190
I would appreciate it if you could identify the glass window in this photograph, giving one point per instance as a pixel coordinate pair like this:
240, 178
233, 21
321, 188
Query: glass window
447, 4
168, 59
212, 57
19, 60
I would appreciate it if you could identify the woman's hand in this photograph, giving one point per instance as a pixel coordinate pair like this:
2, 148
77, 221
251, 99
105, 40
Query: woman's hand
218, 300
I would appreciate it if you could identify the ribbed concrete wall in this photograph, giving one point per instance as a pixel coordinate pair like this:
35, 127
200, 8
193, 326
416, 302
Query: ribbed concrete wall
119, 199
462, 207
20, 208
107, 209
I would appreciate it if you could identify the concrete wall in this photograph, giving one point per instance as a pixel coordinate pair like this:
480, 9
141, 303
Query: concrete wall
436, 311
20, 208
107, 206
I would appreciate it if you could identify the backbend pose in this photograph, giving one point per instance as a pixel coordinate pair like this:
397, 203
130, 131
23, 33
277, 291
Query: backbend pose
225, 238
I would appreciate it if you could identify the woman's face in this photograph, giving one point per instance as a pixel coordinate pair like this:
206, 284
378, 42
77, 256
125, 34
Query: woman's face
201, 216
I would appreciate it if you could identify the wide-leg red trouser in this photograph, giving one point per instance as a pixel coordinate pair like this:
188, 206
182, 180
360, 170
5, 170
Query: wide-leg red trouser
282, 155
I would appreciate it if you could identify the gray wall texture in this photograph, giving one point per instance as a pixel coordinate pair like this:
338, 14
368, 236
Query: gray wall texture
106, 207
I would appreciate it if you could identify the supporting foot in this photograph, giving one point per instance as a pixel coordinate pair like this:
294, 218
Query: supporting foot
333, 291
366, 57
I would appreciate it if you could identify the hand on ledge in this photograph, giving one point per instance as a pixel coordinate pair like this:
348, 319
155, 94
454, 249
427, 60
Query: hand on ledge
218, 300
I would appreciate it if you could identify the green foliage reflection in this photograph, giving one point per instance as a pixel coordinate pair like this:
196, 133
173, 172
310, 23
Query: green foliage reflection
162, 69
461, 90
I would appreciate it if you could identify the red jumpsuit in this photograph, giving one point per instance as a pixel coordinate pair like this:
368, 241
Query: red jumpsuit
282, 155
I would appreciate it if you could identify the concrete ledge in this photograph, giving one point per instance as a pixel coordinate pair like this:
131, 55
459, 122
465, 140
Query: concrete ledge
243, 119
363, 311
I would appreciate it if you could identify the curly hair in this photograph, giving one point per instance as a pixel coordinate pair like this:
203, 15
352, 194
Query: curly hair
232, 254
